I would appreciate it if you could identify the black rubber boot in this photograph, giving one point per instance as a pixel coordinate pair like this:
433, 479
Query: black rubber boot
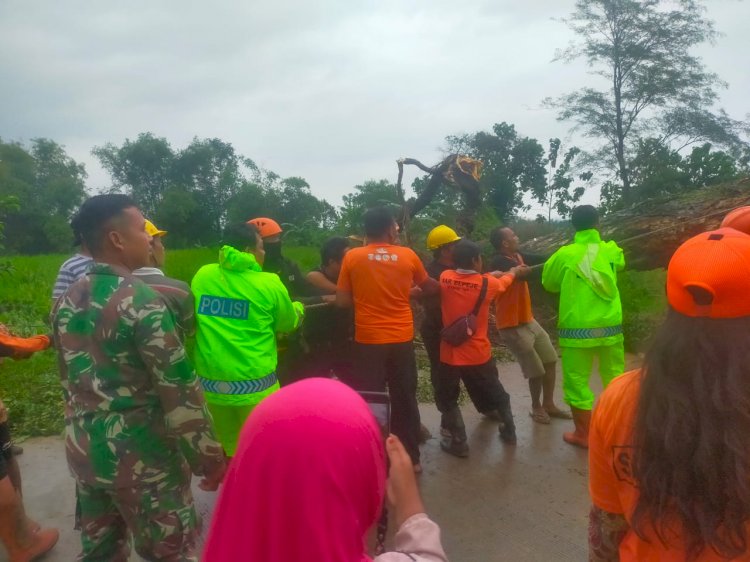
453, 433
507, 426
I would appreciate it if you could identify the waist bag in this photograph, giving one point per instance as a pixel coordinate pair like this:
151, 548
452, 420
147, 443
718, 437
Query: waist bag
464, 327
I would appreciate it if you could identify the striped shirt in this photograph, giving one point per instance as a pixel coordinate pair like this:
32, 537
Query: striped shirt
71, 271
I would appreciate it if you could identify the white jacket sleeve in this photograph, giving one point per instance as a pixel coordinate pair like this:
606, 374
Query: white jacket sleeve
417, 540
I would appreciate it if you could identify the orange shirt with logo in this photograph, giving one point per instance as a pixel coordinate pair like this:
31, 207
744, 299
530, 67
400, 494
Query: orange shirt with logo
459, 292
513, 307
379, 277
611, 482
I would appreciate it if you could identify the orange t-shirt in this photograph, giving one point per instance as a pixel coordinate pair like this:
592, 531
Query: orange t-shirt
380, 276
513, 307
458, 294
611, 480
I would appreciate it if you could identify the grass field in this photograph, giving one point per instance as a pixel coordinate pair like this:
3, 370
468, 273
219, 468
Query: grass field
31, 388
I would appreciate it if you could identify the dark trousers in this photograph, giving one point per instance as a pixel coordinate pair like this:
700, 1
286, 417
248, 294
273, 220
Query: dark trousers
446, 382
392, 366
482, 383
431, 341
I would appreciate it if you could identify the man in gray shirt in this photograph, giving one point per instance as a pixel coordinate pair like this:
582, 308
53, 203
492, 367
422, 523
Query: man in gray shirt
176, 294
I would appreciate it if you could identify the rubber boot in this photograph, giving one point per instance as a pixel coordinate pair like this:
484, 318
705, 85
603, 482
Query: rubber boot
454, 441
507, 427
582, 421
22, 544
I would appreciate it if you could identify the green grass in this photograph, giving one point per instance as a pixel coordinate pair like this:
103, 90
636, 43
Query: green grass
644, 302
31, 388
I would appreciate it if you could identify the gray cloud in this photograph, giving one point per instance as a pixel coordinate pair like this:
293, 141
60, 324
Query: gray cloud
331, 91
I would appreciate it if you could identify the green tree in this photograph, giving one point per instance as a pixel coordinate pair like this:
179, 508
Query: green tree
704, 167
369, 194
559, 193
144, 168
48, 186
657, 169
212, 170
513, 165
652, 85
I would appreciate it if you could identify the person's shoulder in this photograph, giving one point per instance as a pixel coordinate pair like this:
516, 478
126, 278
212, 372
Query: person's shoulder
355, 253
623, 390
492, 281
75, 262
611, 244
162, 283
448, 274
406, 252
207, 270
499, 262
265, 281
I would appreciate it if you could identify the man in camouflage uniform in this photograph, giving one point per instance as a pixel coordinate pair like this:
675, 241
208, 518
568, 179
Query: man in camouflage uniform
136, 422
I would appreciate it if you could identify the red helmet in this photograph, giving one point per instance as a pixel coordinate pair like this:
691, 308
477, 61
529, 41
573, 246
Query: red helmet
266, 227
739, 219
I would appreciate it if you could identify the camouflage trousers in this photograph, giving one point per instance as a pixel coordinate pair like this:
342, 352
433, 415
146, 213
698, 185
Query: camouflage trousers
160, 518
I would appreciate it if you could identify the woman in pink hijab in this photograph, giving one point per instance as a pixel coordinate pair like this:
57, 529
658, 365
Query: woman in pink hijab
308, 483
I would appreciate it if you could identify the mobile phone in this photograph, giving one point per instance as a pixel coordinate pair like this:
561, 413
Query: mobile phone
380, 406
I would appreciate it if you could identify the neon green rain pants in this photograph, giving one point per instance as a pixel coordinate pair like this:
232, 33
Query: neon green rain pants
577, 364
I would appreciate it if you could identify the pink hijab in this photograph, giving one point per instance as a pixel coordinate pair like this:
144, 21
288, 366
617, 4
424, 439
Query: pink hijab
307, 483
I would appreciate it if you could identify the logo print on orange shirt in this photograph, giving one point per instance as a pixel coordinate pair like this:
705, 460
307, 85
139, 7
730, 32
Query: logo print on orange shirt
381, 254
622, 462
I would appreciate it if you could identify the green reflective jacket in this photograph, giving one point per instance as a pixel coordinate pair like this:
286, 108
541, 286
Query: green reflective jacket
239, 310
585, 275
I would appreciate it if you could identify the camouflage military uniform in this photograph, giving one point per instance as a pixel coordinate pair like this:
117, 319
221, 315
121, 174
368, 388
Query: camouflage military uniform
136, 422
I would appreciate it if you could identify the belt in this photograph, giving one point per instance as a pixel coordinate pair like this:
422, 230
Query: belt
589, 333
238, 387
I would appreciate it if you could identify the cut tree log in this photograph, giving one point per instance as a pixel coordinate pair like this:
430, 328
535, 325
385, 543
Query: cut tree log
652, 230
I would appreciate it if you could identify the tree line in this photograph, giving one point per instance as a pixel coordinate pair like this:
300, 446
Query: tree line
648, 115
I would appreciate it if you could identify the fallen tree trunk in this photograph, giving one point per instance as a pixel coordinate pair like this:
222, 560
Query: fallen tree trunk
651, 231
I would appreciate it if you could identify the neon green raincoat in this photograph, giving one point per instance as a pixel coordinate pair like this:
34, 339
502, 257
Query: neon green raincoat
585, 275
239, 310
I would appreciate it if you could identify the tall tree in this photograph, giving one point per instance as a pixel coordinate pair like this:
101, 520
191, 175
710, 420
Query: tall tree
143, 167
211, 169
560, 192
652, 85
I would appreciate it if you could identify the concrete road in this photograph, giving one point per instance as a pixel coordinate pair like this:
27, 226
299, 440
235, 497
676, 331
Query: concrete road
527, 503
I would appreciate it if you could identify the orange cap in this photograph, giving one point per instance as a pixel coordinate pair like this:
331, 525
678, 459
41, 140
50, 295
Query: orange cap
739, 219
266, 227
715, 264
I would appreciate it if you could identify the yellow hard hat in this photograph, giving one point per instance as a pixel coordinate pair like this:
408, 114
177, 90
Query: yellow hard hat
440, 236
152, 230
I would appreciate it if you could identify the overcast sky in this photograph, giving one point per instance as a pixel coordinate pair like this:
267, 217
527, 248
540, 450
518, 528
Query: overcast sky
333, 91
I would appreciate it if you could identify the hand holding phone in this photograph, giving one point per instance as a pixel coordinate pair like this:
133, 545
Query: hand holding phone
403, 494
380, 406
